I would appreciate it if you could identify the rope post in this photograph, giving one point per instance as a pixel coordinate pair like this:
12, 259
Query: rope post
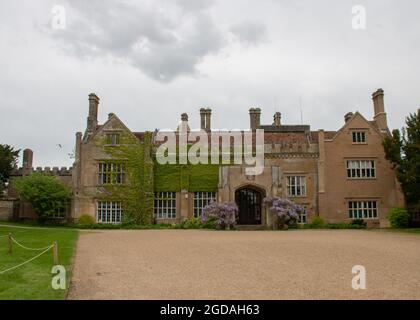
10, 243
55, 253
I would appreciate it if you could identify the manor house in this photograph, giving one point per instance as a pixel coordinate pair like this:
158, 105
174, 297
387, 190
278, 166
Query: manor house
339, 175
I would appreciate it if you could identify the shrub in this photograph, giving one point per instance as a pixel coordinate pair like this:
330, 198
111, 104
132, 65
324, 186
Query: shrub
221, 214
46, 193
191, 223
286, 211
86, 219
358, 223
317, 222
399, 218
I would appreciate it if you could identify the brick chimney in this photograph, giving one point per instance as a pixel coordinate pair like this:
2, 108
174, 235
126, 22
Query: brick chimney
379, 109
277, 119
254, 117
92, 121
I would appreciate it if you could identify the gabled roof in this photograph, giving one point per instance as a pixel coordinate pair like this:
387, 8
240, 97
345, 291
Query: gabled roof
371, 124
112, 117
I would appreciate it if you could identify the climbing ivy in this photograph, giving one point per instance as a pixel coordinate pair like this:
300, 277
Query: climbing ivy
136, 193
144, 176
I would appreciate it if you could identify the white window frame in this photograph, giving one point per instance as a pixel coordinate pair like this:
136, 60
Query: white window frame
165, 205
111, 173
202, 199
296, 186
361, 169
363, 209
303, 217
359, 136
109, 212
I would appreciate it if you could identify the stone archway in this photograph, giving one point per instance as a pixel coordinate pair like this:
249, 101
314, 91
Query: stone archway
249, 201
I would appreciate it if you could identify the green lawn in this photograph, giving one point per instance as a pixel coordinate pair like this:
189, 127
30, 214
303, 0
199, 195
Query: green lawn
33, 280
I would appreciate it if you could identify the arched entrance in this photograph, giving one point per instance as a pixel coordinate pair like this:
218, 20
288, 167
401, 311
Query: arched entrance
249, 202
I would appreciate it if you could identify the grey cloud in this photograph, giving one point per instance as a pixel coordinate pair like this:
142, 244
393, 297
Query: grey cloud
249, 32
163, 40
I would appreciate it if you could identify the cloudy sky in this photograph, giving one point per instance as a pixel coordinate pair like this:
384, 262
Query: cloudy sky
151, 60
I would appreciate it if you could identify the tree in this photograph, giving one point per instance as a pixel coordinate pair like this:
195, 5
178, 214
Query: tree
47, 194
8, 160
402, 149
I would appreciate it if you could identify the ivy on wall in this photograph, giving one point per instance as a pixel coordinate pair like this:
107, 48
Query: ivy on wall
175, 177
136, 193
144, 176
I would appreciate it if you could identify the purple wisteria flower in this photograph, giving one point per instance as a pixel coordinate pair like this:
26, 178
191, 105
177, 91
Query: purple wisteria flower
286, 211
223, 214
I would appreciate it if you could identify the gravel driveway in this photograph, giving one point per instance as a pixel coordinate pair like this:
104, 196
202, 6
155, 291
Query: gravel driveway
198, 264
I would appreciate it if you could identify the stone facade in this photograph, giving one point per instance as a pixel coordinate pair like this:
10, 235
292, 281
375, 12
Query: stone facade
329, 172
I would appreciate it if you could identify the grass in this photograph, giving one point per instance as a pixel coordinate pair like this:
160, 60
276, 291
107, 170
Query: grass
33, 280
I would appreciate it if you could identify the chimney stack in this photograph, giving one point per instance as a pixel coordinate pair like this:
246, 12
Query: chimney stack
277, 119
379, 109
92, 121
347, 116
27, 163
208, 119
254, 117
28, 157
205, 119
184, 117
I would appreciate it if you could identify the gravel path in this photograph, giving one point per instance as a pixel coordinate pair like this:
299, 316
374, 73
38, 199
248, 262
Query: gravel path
198, 264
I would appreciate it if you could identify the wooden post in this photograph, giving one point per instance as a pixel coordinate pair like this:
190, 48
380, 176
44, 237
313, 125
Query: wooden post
10, 243
55, 253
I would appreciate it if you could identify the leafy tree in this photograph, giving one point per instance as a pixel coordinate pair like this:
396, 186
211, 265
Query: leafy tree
8, 160
47, 194
403, 150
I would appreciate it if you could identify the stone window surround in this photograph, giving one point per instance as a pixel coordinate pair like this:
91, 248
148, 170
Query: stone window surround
360, 159
286, 175
365, 130
363, 200
108, 209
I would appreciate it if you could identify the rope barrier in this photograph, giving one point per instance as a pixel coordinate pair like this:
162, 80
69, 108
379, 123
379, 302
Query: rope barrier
32, 249
27, 261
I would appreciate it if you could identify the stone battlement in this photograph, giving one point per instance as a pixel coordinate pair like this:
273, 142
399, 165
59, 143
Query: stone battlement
56, 171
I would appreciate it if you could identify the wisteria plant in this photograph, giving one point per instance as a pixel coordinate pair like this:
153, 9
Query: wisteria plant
224, 215
286, 211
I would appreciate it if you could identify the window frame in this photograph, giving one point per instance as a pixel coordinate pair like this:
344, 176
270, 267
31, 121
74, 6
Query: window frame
360, 170
359, 136
305, 215
363, 209
113, 138
111, 173
200, 200
109, 211
165, 205
294, 186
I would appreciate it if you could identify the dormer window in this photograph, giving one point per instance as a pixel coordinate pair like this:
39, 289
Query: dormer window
113, 139
359, 136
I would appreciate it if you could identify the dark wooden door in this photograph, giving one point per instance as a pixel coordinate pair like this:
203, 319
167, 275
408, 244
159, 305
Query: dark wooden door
249, 205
